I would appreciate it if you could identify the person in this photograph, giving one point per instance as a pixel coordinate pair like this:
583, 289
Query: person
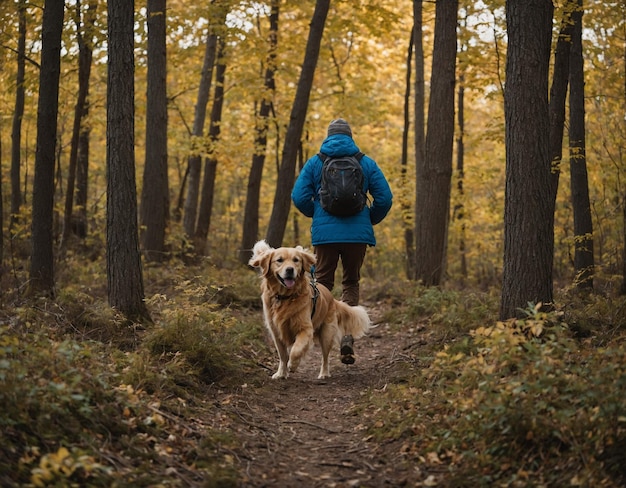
337, 238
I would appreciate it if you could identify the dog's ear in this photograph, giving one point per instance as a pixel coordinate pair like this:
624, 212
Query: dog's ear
262, 261
260, 249
308, 258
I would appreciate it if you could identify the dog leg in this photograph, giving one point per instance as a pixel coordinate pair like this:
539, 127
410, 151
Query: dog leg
283, 357
299, 349
327, 341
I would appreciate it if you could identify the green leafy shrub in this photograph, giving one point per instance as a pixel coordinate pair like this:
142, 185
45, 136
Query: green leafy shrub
524, 404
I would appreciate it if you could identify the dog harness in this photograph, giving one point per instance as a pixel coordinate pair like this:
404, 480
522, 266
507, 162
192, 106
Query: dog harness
316, 292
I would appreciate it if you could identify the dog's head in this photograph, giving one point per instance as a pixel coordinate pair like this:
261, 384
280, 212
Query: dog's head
285, 266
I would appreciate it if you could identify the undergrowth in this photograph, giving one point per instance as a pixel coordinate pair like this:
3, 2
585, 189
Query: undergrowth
88, 399
529, 402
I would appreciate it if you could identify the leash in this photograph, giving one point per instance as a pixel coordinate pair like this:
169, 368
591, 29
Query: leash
316, 292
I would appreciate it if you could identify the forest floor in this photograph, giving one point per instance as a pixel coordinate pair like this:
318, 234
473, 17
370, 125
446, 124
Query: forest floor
306, 432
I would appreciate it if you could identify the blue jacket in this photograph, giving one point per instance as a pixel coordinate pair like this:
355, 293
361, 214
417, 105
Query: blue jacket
327, 228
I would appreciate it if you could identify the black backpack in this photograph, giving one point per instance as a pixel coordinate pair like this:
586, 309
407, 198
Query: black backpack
342, 191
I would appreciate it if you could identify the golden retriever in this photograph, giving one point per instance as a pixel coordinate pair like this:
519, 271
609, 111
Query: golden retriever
298, 311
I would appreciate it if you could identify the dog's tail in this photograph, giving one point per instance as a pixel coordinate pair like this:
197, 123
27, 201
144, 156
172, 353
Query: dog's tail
353, 321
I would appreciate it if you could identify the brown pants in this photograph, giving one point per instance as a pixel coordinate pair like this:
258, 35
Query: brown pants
352, 256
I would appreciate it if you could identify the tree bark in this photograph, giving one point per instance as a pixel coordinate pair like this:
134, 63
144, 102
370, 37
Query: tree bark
405, 204
124, 273
18, 113
419, 132
155, 200
42, 259
583, 226
210, 168
558, 94
459, 209
250, 232
435, 175
190, 210
622, 290
528, 215
84, 34
286, 173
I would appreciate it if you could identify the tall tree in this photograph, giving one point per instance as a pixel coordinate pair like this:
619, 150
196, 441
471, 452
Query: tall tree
435, 175
217, 17
623, 286
459, 208
405, 204
84, 33
251, 212
210, 168
18, 113
583, 226
286, 173
155, 202
419, 104
558, 93
42, 258
124, 274
85, 55
528, 215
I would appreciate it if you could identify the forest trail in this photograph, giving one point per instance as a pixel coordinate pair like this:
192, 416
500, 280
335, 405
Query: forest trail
306, 432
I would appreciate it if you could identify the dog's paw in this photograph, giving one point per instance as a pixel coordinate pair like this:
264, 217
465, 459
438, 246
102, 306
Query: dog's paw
347, 350
279, 375
293, 364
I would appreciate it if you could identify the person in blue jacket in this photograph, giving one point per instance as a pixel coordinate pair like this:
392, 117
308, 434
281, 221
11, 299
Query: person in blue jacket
333, 237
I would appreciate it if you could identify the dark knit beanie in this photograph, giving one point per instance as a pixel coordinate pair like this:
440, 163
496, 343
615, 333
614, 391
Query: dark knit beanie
339, 126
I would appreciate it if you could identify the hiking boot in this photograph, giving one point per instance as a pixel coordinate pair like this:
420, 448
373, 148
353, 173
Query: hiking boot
347, 350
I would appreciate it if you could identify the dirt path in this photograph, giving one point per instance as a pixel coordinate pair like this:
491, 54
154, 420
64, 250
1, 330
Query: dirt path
305, 432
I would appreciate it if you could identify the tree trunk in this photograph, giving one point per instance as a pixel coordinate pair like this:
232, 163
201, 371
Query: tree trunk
286, 174
583, 226
190, 210
250, 232
434, 176
79, 225
155, 200
124, 274
85, 39
79, 222
210, 168
528, 215
558, 95
18, 113
623, 287
42, 259
419, 131
459, 209
405, 204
